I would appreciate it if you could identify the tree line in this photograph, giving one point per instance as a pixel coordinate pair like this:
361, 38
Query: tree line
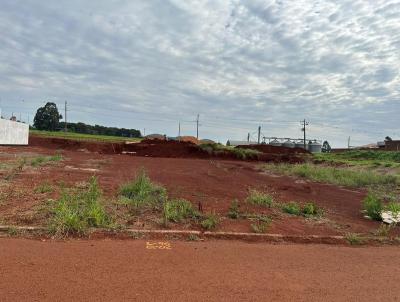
48, 118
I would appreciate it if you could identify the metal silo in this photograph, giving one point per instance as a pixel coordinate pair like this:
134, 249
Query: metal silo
300, 144
275, 143
289, 144
314, 147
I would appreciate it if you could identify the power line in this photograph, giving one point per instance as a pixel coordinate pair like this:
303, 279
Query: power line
304, 124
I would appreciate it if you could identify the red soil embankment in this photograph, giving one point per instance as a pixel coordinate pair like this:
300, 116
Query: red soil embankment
169, 149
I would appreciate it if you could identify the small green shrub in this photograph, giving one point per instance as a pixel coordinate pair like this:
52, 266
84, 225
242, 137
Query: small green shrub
142, 193
178, 210
373, 206
76, 211
234, 210
210, 222
311, 209
354, 239
259, 198
291, 208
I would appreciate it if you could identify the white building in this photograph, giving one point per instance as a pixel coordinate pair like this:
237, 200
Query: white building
13, 133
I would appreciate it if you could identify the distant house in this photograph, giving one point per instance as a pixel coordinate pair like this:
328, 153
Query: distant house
239, 143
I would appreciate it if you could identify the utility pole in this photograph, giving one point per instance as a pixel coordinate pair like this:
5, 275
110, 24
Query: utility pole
248, 137
65, 117
348, 143
197, 126
259, 134
179, 132
304, 123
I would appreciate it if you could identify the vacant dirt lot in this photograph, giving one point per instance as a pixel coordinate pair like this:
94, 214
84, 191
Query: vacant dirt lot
195, 271
209, 183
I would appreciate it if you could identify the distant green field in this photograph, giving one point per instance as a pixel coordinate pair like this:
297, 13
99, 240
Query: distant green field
362, 157
80, 136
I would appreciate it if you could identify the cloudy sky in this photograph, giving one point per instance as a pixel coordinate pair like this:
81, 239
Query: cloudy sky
238, 63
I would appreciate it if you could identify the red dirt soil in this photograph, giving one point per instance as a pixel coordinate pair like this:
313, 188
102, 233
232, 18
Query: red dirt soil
111, 270
162, 148
212, 183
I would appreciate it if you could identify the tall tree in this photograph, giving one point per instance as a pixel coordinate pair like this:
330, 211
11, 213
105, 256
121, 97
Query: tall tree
326, 148
47, 117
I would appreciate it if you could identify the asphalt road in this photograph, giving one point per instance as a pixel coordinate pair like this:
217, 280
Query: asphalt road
137, 270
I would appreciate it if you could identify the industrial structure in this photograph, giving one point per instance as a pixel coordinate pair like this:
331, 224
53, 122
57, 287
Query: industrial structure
313, 145
13, 132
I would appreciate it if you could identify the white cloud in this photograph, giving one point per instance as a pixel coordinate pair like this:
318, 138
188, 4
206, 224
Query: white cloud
335, 63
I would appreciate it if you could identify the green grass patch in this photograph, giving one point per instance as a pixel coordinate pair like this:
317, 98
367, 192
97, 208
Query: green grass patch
393, 207
210, 222
373, 206
178, 210
142, 193
355, 156
333, 175
82, 137
259, 198
240, 153
78, 210
43, 160
292, 208
310, 209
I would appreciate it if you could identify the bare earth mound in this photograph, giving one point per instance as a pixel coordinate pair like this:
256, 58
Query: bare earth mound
168, 149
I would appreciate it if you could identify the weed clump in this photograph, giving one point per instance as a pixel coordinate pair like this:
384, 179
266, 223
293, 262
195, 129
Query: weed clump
354, 239
210, 222
234, 210
179, 210
142, 193
44, 188
393, 207
260, 226
292, 208
383, 230
77, 211
311, 209
259, 198
373, 206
